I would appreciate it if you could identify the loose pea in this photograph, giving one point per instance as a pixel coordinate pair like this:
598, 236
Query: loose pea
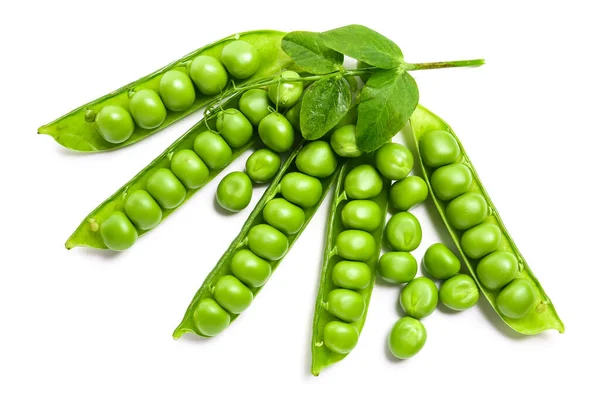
459, 293
317, 159
208, 74
394, 160
284, 216
440, 262
118, 233
164, 186
351, 274
397, 267
467, 210
267, 242
516, 299
346, 304
361, 215
481, 240
147, 109
249, 268
408, 192
143, 210
176, 90
276, 132
301, 189
419, 297
213, 150
114, 124
293, 115
355, 245
438, 148
234, 127
263, 165
407, 337
497, 269
340, 337
363, 182
210, 318
189, 168
255, 105
285, 94
349, 118
403, 232
240, 58
343, 141
234, 191
451, 181
232, 294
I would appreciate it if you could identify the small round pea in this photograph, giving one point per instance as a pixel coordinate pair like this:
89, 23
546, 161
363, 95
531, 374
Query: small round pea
467, 210
407, 337
351, 274
118, 233
189, 168
394, 161
240, 58
293, 115
208, 74
301, 189
459, 293
114, 124
232, 294
403, 232
212, 149
234, 127
363, 182
142, 210
234, 192
450, 181
340, 337
408, 192
346, 304
343, 141
438, 148
317, 159
481, 240
397, 267
349, 118
147, 109
286, 93
267, 242
355, 245
255, 105
362, 215
516, 299
263, 165
176, 90
276, 132
497, 269
164, 186
284, 216
210, 318
249, 268
440, 262
419, 297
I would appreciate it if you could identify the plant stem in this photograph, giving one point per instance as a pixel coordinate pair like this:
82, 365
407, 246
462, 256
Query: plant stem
449, 64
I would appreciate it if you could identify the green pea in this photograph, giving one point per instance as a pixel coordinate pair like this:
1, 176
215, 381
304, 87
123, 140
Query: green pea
147, 109
343, 141
349, 118
232, 294
234, 191
317, 159
255, 105
351, 274
467, 210
440, 262
240, 58
459, 293
363, 182
118, 233
394, 160
407, 337
301, 189
293, 115
450, 181
114, 124
213, 150
276, 132
284, 216
267, 242
408, 192
516, 299
419, 297
497, 269
403, 232
234, 127
263, 165
189, 168
355, 245
210, 318
340, 337
481, 240
362, 215
346, 304
438, 148
208, 74
176, 90
249, 268
164, 186
397, 267
142, 210
285, 93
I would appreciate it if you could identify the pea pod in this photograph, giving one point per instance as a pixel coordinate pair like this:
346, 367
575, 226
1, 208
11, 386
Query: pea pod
339, 270
77, 130
542, 314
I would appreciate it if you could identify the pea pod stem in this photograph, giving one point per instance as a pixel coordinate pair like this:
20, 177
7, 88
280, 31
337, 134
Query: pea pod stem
448, 64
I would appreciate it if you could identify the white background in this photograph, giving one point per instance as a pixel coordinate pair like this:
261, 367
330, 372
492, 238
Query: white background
84, 332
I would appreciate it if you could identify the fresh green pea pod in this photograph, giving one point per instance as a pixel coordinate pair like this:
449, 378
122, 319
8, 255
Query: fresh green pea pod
77, 130
542, 316
242, 243
322, 355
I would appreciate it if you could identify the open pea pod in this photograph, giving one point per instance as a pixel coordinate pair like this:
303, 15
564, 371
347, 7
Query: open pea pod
542, 316
77, 130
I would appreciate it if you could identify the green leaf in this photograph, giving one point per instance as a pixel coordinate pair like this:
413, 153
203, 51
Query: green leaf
363, 44
310, 53
324, 104
387, 101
